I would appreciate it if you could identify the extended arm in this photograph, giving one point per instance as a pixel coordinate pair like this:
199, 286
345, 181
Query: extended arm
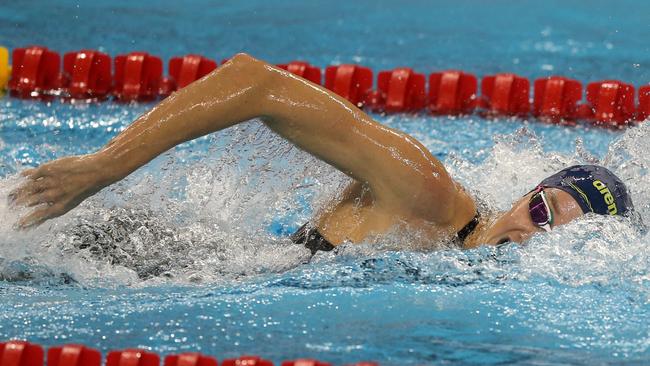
399, 170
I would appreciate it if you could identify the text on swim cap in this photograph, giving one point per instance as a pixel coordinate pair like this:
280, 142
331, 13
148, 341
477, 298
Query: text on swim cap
607, 196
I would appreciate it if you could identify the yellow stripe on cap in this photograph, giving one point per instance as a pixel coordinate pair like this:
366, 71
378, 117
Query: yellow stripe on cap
5, 68
583, 194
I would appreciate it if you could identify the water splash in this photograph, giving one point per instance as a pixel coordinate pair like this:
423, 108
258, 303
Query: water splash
214, 215
188, 217
220, 207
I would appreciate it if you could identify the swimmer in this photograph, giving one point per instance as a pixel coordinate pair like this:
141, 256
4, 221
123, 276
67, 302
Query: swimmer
396, 180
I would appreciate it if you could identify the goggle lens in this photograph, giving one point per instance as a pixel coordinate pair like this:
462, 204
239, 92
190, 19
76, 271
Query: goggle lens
540, 212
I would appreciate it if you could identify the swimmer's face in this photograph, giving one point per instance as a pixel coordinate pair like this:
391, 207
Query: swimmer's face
516, 225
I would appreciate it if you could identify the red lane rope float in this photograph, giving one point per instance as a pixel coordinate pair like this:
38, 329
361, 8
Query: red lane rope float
138, 76
73, 355
132, 357
556, 98
190, 359
87, 74
400, 90
452, 92
304, 70
611, 103
185, 70
246, 361
506, 94
352, 82
643, 111
35, 72
20, 353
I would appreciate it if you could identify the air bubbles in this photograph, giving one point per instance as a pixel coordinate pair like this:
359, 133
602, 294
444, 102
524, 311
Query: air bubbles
219, 209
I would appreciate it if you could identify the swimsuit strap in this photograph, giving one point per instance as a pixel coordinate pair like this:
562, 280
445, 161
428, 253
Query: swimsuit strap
467, 229
309, 236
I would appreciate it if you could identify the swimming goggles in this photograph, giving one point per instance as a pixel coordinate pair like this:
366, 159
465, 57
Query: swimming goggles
540, 210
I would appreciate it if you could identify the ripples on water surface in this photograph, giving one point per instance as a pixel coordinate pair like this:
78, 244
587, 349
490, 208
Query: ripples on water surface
190, 252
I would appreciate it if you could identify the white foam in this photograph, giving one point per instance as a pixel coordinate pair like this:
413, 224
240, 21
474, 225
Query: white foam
197, 217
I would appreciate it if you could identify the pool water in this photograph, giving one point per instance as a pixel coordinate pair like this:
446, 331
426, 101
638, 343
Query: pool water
190, 252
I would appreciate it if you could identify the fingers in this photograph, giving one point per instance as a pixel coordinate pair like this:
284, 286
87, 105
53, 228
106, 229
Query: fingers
39, 198
42, 190
35, 183
27, 191
38, 216
28, 172
52, 189
36, 173
36, 194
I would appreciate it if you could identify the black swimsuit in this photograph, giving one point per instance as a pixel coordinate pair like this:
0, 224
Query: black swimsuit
309, 236
463, 233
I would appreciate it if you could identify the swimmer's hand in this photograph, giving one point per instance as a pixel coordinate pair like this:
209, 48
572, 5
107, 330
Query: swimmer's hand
57, 187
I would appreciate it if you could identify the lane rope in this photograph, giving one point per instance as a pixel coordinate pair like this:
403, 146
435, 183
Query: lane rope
22, 353
92, 76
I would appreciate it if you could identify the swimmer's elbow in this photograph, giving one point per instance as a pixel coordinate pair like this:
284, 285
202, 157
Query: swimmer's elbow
244, 62
249, 71
242, 59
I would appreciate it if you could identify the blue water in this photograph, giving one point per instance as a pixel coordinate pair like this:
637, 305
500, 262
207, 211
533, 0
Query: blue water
186, 253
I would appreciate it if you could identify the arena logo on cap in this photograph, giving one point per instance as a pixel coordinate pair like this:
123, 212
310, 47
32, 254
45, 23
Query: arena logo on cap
607, 196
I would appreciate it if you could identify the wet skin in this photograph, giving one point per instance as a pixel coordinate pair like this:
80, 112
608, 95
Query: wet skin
516, 224
396, 180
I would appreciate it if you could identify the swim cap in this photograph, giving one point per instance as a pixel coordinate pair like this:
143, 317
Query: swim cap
594, 187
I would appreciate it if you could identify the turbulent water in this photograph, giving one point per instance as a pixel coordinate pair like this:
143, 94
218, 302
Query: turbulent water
214, 215
191, 251
222, 207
